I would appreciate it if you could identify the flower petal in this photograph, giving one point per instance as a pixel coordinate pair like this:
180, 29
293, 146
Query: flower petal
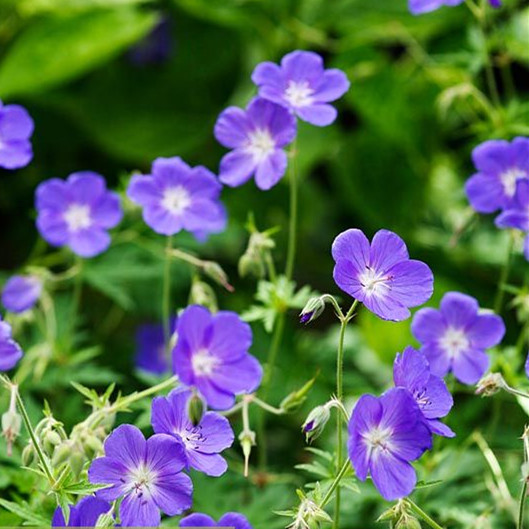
136, 511
90, 242
271, 170
318, 114
486, 331
469, 366
231, 129
393, 477
236, 167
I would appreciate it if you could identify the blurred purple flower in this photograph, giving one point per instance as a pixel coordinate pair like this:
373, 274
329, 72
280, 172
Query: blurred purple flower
211, 354
84, 514
150, 348
20, 293
156, 47
411, 371
527, 366
454, 338
178, 197
385, 434
10, 351
230, 519
516, 214
500, 166
380, 275
418, 7
303, 85
145, 473
203, 442
77, 212
257, 136
16, 127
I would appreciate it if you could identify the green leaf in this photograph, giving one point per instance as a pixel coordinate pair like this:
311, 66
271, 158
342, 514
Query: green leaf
25, 512
55, 50
82, 488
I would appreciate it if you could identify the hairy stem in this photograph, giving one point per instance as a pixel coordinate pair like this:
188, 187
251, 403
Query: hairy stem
422, 515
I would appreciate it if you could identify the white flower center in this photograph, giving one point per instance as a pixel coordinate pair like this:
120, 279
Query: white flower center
141, 479
373, 283
454, 342
176, 200
299, 94
204, 363
78, 217
378, 440
509, 179
260, 144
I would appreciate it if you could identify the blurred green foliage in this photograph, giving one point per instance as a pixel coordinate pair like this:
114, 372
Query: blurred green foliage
397, 157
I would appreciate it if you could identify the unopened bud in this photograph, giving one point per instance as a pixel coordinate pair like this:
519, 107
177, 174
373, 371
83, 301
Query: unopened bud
105, 520
315, 423
61, 454
28, 455
312, 310
247, 440
195, 409
76, 461
490, 384
294, 400
202, 294
11, 423
92, 446
408, 522
215, 272
251, 264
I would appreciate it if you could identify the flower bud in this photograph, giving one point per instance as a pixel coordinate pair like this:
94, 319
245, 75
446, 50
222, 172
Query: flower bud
408, 522
76, 461
214, 271
202, 294
92, 446
11, 423
294, 400
490, 384
105, 520
315, 423
61, 454
28, 455
312, 310
251, 264
195, 409
247, 440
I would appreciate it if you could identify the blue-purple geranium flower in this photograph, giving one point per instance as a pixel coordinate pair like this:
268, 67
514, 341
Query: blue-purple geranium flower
302, 84
20, 293
455, 337
77, 212
516, 214
411, 371
146, 474
230, 519
177, 197
381, 275
500, 165
385, 434
203, 442
10, 351
211, 354
257, 136
418, 7
151, 354
84, 514
16, 127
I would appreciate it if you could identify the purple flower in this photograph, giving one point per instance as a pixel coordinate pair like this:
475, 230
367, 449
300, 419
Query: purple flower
516, 214
203, 442
211, 354
454, 338
10, 351
150, 348
411, 371
145, 473
495, 3
257, 136
500, 165
20, 293
230, 519
418, 7
302, 84
77, 212
385, 434
527, 366
380, 275
16, 127
84, 514
178, 197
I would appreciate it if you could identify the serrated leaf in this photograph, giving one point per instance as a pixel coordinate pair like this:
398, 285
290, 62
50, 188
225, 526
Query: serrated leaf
25, 512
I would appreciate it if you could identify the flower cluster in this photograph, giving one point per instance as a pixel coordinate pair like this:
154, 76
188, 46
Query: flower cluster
501, 183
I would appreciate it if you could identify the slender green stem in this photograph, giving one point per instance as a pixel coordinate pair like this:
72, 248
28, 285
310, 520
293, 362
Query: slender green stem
166, 294
76, 300
334, 485
291, 251
339, 396
421, 514
266, 407
521, 506
504, 276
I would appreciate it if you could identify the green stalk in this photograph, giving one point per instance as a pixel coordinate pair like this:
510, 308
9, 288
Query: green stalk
521, 506
166, 294
504, 276
339, 396
291, 250
422, 515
